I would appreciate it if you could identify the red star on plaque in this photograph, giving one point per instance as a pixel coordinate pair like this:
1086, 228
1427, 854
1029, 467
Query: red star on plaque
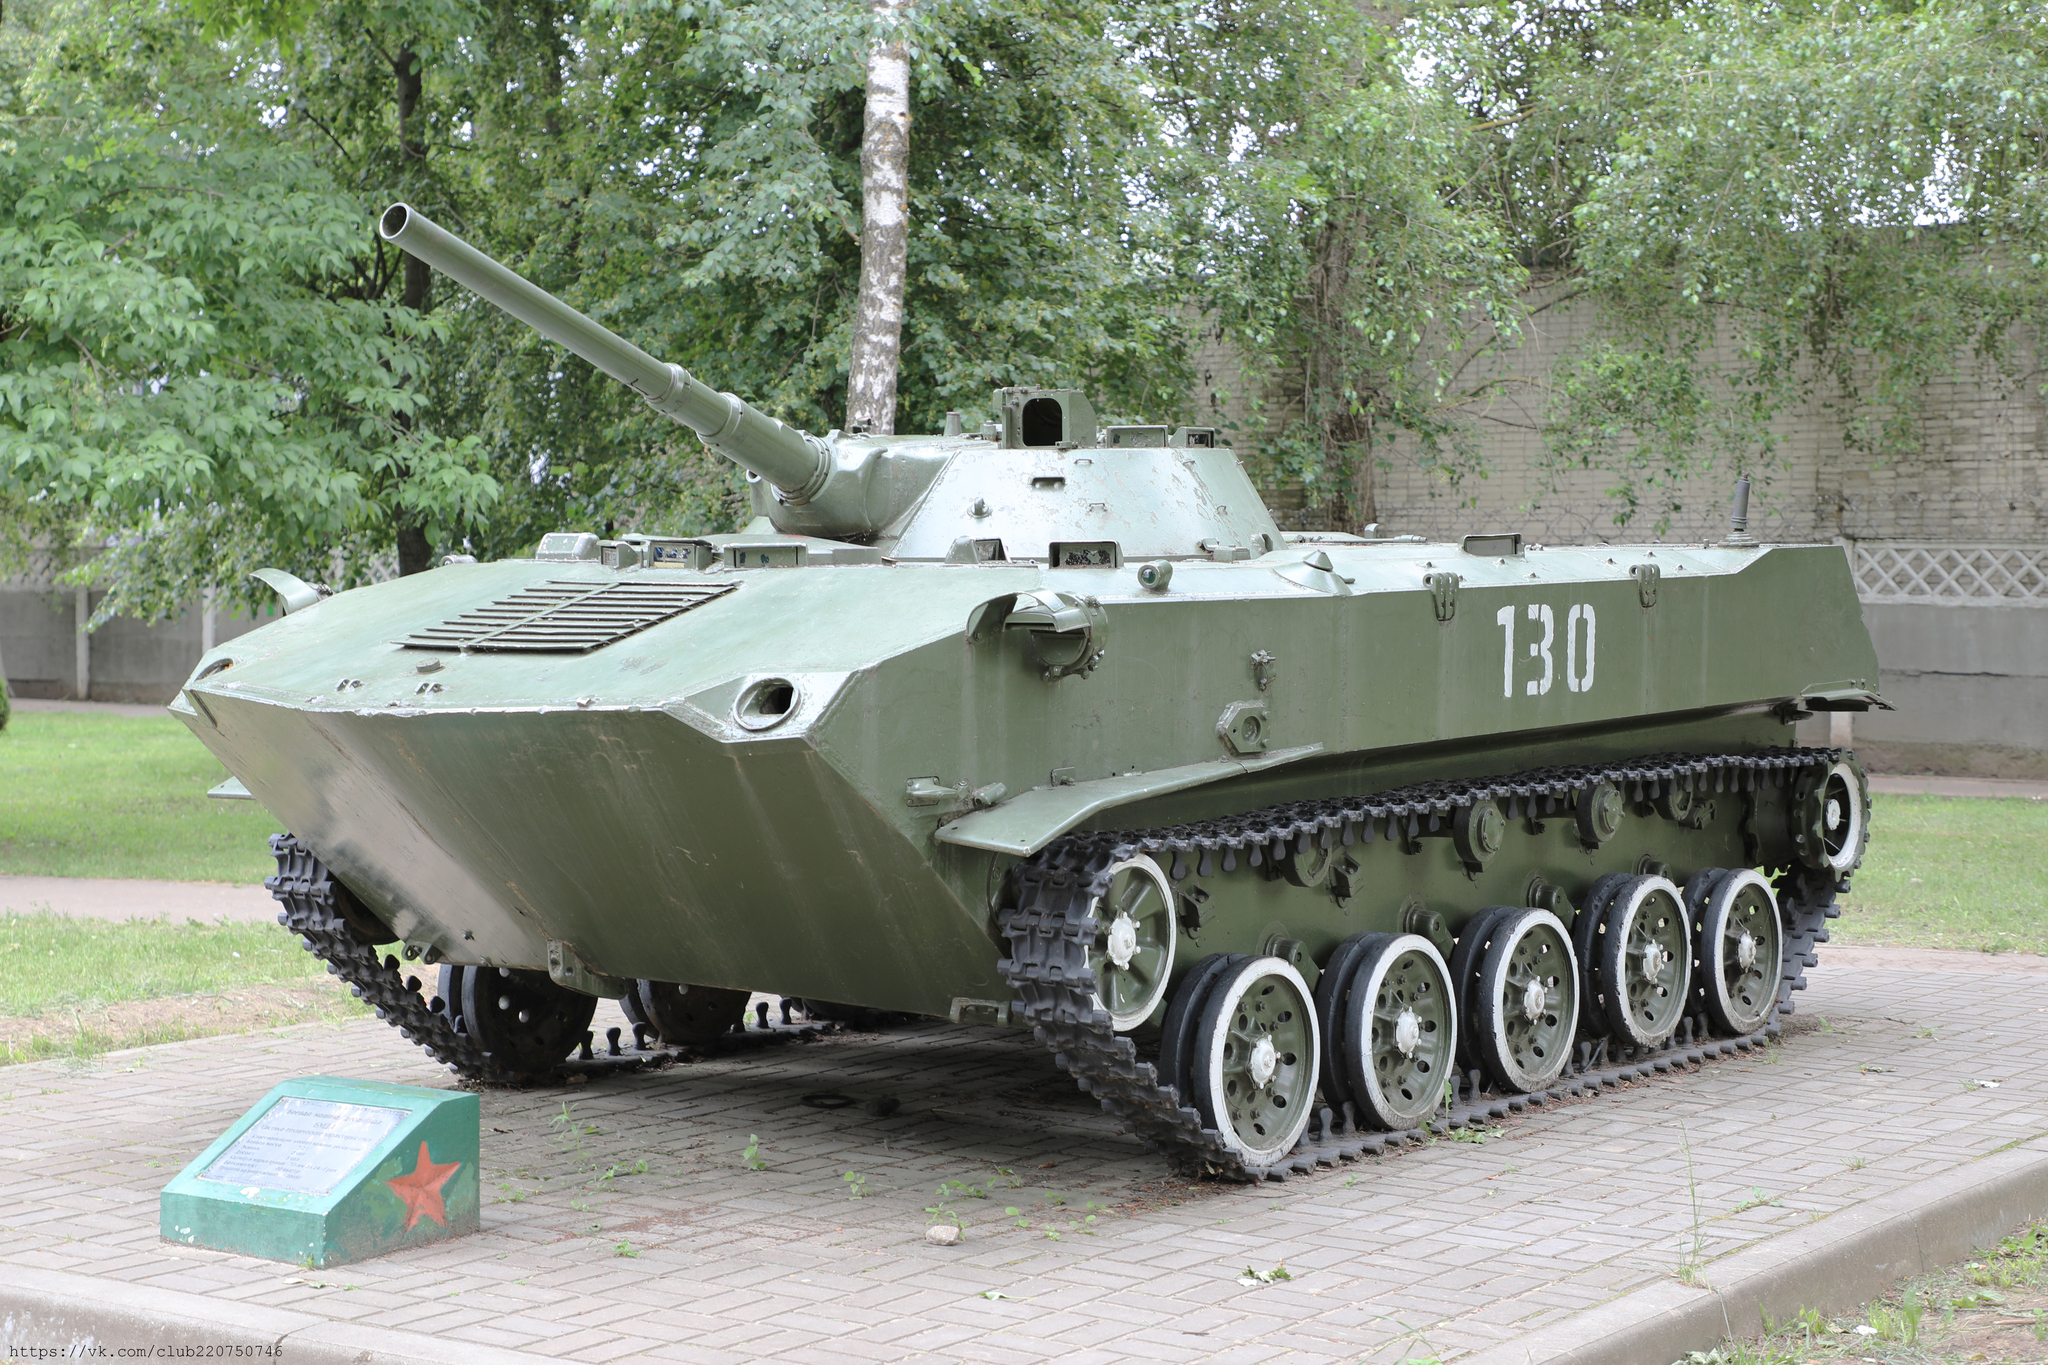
421, 1190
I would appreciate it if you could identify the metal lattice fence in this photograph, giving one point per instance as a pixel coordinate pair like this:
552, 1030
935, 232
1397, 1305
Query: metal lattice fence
1914, 571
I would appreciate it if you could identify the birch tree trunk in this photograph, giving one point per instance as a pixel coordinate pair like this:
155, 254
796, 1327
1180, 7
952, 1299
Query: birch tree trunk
884, 228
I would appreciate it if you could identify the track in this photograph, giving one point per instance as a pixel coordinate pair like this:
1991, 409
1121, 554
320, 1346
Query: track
1052, 929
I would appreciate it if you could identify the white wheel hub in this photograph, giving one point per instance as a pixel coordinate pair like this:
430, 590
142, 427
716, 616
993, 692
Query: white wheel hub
1653, 961
1123, 941
1407, 1032
1745, 951
1834, 815
1265, 1060
1534, 997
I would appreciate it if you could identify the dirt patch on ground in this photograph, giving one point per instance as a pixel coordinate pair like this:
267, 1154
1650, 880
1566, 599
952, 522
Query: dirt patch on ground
2017, 1331
172, 1018
1957, 1333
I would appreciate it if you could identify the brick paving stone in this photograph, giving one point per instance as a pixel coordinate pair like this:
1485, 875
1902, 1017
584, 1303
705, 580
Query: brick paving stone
1456, 1245
694, 1353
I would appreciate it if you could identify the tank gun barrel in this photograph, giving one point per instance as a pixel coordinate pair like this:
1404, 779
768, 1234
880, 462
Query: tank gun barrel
792, 460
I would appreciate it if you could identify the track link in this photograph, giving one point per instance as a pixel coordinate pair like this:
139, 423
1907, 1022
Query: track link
1051, 929
319, 910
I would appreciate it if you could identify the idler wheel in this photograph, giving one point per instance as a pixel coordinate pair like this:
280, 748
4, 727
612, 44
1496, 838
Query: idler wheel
1526, 1010
1399, 1037
1256, 1058
685, 1014
522, 1018
1645, 958
1135, 933
1738, 948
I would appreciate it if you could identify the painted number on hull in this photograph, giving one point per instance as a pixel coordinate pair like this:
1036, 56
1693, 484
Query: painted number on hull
1580, 634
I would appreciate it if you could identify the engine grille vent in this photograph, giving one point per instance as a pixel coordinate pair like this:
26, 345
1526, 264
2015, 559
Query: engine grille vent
566, 617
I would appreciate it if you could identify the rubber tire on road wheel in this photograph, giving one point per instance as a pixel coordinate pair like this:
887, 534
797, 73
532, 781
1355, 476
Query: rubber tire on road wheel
1586, 941
450, 995
1466, 957
629, 1005
1333, 988
1519, 949
1184, 1021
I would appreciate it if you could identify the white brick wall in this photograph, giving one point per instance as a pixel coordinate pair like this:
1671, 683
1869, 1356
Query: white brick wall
1979, 473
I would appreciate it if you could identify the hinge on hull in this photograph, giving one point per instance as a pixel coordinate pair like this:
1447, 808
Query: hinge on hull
1443, 591
1647, 576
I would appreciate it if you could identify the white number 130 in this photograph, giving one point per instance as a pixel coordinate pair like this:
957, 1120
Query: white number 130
1579, 636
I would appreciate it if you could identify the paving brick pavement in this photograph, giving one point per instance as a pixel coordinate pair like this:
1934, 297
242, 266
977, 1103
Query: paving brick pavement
620, 1221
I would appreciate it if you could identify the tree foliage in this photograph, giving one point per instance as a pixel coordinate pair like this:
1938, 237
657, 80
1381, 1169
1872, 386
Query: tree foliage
208, 360
1337, 253
190, 362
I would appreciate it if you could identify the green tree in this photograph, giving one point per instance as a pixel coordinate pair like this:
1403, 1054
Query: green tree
1325, 193
703, 198
191, 369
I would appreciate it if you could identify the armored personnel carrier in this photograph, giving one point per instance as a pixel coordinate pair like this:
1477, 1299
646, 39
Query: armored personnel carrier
1276, 840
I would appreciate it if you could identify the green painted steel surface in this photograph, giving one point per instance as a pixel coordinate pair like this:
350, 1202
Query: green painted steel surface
614, 800
325, 1170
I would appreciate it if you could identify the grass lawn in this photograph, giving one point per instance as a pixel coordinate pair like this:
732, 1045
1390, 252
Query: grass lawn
121, 796
64, 983
1951, 872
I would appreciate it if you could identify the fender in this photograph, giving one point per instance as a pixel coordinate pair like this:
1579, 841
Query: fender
1029, 821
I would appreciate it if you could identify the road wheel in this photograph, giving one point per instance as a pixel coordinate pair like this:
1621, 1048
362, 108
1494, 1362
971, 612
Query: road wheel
1738, 950
1527, 1007
686, 1014
1645, 962
1400, 1032
521, 1018
1257, 1058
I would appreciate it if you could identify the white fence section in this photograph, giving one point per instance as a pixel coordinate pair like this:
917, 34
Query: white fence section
1915, 571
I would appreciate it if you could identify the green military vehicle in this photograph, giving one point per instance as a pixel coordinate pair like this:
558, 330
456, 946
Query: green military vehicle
1277, 840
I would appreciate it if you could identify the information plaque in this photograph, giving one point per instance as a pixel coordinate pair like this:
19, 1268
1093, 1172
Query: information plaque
325, 1170
305, 1146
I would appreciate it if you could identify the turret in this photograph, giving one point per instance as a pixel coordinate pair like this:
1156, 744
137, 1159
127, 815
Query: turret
1042, 483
